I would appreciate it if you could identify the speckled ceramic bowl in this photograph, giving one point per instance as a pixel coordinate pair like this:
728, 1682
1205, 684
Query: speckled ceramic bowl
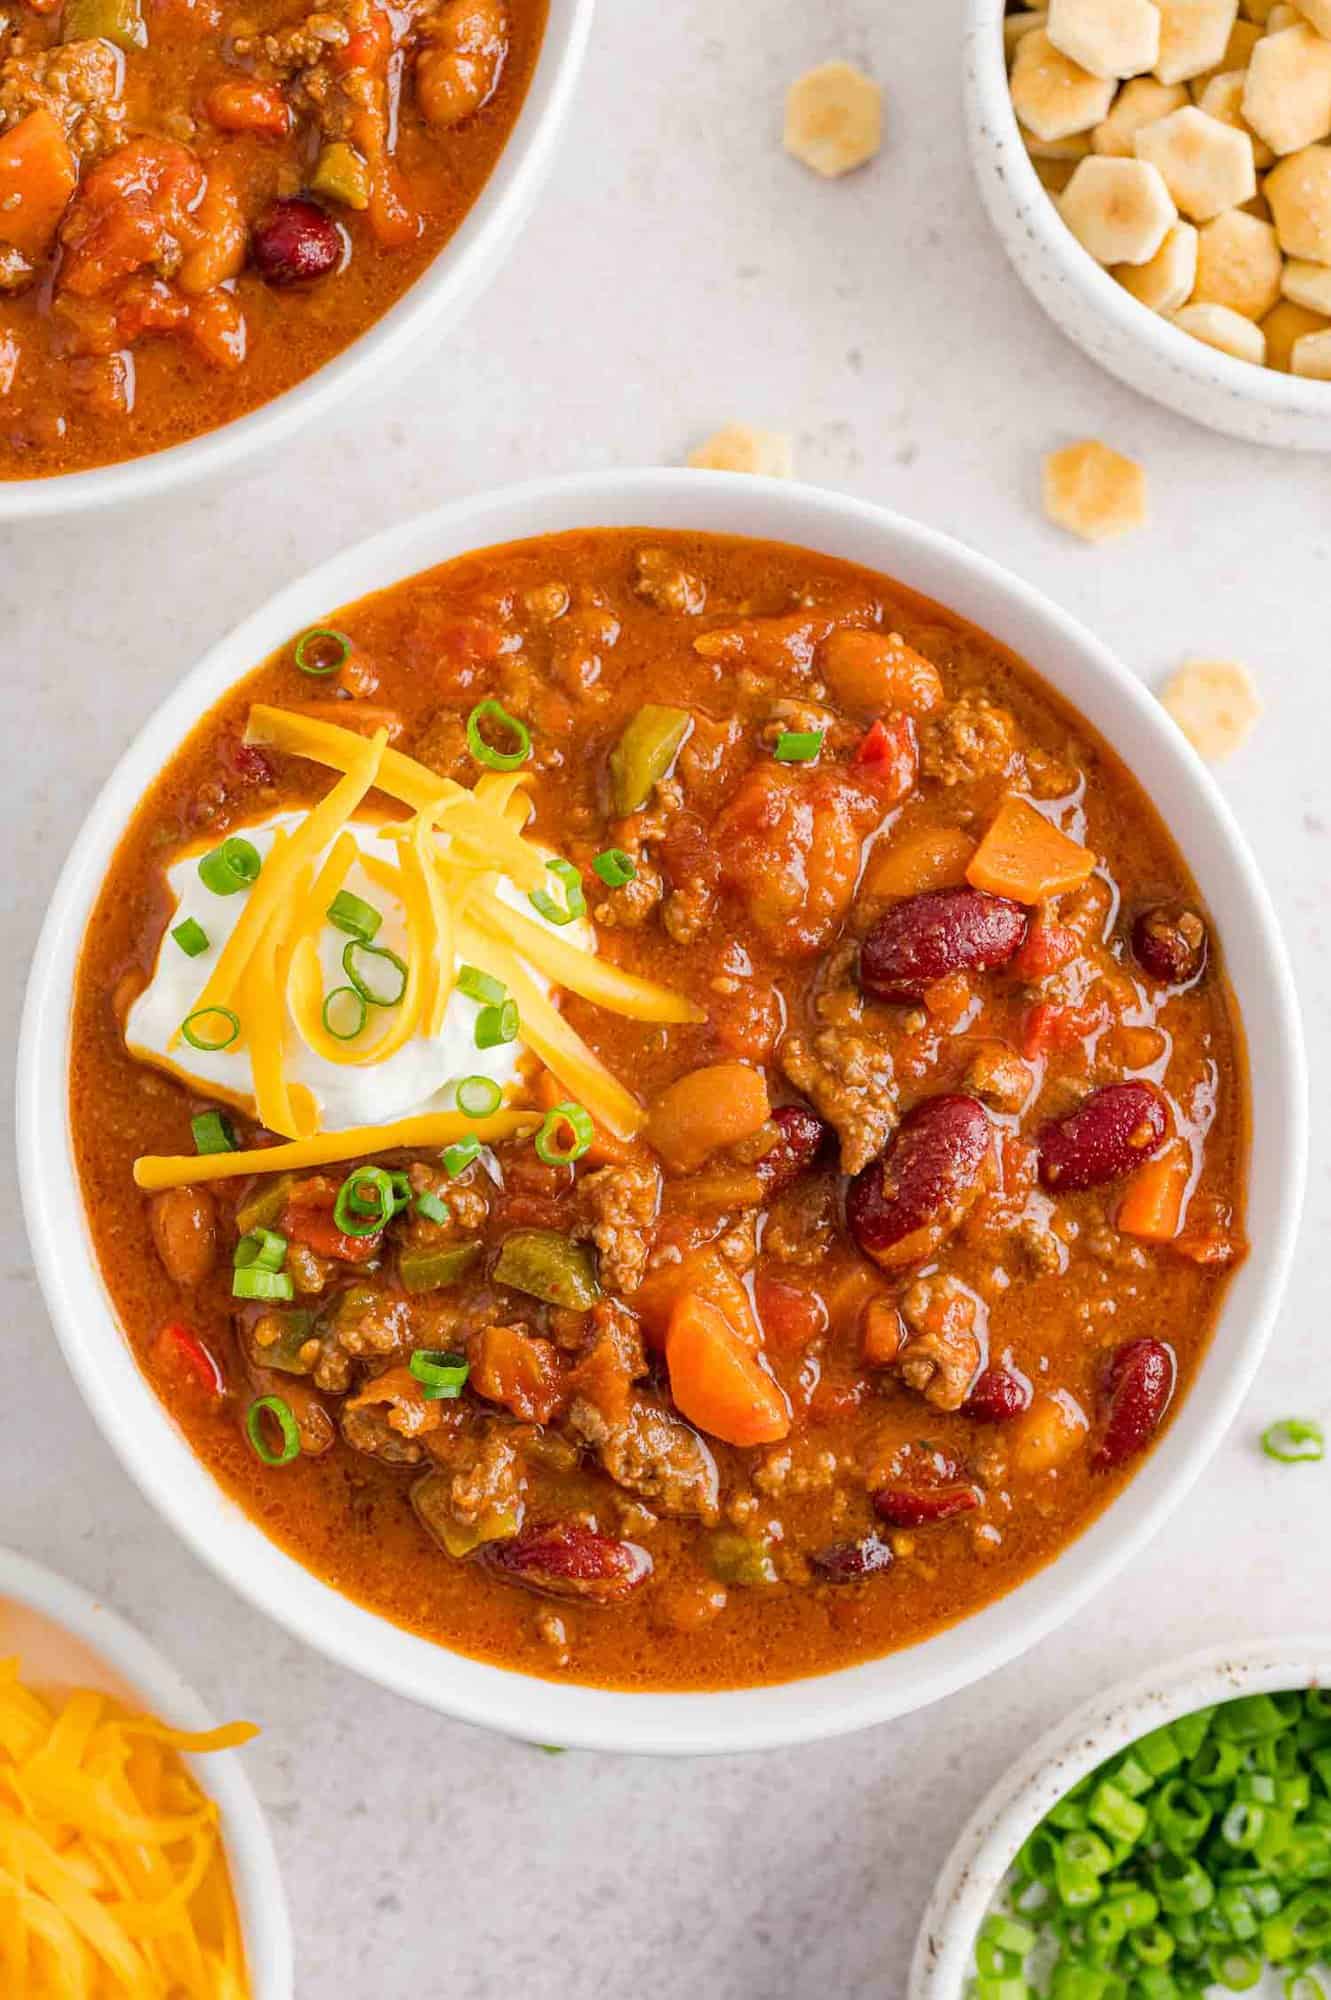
65, 1638
1132, 342
975, 1869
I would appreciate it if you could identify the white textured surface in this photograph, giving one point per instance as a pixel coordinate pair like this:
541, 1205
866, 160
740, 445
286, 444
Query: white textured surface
681, 274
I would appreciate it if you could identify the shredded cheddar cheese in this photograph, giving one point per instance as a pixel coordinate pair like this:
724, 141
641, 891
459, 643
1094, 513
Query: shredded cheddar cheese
113, 1879
430, 1128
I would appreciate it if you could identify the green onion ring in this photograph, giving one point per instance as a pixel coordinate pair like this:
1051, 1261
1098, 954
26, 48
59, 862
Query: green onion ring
485, 753
798, 746
497, 1025
280, 1412
191, 937
459, 1156
478, 1096
262, 1249
578, 1122
352, 913
442, 1375
1294, 1441
431, 1209
212, 1133
347, 995
482, 986
233, 866
358, 979
197, 1041
575, 903
615, 867
251, 1281
312, 645
355, 1214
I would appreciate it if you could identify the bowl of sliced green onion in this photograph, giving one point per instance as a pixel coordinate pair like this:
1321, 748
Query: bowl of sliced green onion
1170, 1841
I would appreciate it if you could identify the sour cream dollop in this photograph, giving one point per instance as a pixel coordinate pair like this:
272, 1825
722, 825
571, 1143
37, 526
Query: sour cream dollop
421, 1076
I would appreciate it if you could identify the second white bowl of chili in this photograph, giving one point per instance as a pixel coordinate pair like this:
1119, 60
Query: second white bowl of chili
730, 1715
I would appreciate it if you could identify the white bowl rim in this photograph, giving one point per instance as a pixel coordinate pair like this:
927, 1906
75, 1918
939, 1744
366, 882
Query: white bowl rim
1100, 1727
1289, 395
255, 1875
576, 1715
458, 272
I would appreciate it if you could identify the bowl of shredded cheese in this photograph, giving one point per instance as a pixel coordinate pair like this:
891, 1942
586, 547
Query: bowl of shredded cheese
135, 1863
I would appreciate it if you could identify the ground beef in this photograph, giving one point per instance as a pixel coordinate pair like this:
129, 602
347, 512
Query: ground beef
998, 1077
387, 1418
847, 1075
79, 83
489, 1474
623, 1203
661, 581
629, 906
442, 746
693, 868
946, 1340
802, 1224
652, 1453
289, 50
970, 740
371, 1324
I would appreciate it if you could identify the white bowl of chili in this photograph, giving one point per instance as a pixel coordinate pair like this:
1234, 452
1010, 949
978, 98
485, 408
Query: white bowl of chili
975, 1871
449, 285
1141, 347
64, 1638
157, 1455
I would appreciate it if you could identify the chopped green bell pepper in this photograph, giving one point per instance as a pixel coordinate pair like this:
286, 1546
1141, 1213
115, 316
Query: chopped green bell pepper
118, 21
428, 1270
644, 754
549, 1267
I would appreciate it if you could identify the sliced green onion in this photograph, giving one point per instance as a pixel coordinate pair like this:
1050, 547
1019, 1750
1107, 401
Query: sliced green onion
262, 1249
280, 1412
321, 651
441, 1374
401, 1185
614, 867
366, 1202
233, 866
459, 1156
344, 1013
430, 1208
212, 1133
568, 1117
351, 913
497, 1025
482, 986
253, 1282
485, 753
219, 1038
575, 903
798, 746
389, 992
478, 1096
191, 937
1294, 1441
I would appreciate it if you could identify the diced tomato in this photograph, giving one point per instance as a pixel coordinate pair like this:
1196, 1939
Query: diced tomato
791, 1315
1048, 947
183, 1355
309, 1220
833, 1399
889, 758
1050, 1026
368, 47
133, 208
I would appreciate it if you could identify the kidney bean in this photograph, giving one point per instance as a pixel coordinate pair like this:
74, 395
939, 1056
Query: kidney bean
998, 1396
1109, 1134
1139, 1387
566, 1559
1170, 943
924, 938
295, 241
849, 1562
183, 1221
903, 1205
922, 1506
248, 761
803, 1137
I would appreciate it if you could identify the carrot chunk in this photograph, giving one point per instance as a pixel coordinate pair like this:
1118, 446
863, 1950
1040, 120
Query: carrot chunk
717, 1382
706, 1274
1152, 1207
1026, 857
243, 104
37, 177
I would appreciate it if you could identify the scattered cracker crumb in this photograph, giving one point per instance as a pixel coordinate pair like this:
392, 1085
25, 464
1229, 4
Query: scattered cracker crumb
1215, 703
1093, 491
834, 119
737, 448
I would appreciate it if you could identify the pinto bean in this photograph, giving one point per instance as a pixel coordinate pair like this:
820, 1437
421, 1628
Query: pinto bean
566, 1559
902, 1206
183, 1221
295, 241
850, 1562
1170, 942
927, 937
1108, 1135
1138, 1389
998, 1397
803, 1136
